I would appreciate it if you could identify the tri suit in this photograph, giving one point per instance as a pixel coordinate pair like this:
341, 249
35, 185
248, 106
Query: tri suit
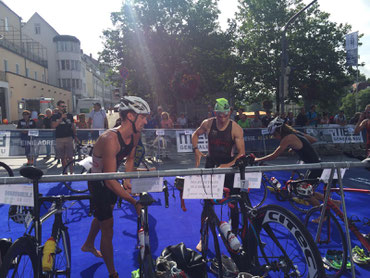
308, 154
102, 198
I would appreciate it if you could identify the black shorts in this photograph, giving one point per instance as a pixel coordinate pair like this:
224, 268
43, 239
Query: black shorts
314, 173
102, 199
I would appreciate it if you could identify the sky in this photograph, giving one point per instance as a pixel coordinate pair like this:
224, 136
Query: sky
86, 19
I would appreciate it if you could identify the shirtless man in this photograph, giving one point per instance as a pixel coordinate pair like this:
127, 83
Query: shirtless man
111, 148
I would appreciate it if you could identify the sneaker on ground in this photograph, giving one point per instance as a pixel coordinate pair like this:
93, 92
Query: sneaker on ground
359, 256
333, 258
229, 268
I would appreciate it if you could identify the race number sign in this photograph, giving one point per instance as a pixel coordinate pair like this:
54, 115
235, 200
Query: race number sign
204, 187
16, 194
147, 185
183, 141
326, 174
252, 180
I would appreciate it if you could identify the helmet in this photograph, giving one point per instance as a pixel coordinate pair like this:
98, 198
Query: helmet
222, 105
304, 189
19, 213
274, 124
136, 104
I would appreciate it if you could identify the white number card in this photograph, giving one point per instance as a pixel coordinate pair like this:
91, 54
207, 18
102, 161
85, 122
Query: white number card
252, 180
204, 187
264, 131
326, 174
34, 132
16, 194
147, 185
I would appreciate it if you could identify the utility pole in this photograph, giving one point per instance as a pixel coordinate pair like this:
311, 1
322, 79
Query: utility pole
284, 77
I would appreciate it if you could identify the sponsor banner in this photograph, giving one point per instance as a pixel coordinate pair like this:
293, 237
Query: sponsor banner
4, 143
183, 142
335, 134
252, 180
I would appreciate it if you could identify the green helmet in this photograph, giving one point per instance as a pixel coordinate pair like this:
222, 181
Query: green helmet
222, 105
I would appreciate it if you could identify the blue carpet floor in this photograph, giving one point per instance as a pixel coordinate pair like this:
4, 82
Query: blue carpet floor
167, 226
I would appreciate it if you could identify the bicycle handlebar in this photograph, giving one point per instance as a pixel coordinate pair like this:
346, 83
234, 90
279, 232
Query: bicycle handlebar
64, 198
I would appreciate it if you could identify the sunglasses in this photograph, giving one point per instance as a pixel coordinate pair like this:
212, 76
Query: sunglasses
222, 114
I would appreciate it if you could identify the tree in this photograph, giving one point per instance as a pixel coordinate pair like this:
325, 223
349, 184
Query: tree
349, 102
316, 52
174, 49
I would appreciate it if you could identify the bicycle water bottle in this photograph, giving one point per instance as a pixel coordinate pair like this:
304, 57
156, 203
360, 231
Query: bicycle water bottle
48, 254
275, 182
141, 242
225, 229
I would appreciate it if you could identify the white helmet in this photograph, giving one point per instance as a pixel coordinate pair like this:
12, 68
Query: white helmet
304, 190
274, 124
136, 104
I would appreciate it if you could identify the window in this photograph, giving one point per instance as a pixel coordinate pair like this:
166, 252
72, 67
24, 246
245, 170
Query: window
43, 78
37, 29
63, 64
17, 71
67, 65
27, 72
36, 75
6, 24
5, 65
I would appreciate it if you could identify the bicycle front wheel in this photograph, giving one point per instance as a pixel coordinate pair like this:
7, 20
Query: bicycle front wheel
331, 241
285, 247
21, 259
62, 259
76, 186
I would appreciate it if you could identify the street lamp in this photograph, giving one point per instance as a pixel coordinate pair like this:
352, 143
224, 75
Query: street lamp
284, 77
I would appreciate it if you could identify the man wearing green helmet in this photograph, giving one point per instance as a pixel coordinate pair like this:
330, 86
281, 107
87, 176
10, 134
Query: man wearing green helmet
224, 135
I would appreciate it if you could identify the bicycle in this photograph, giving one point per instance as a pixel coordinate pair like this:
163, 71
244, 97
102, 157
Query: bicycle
331, 237
7, 169
23, 258
262, 234
146, 269
81, 164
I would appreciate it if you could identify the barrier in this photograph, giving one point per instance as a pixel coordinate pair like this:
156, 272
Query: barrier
162, 143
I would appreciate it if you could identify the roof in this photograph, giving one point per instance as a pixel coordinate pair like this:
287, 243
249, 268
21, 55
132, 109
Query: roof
65, 38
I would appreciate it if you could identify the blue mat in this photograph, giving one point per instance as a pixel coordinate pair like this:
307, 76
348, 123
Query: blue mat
167, 226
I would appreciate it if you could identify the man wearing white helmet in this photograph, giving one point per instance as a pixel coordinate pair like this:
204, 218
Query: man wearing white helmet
111, 148
301, 144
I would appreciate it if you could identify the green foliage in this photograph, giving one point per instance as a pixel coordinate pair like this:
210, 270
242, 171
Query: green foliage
349, 102
174, 49
315, 50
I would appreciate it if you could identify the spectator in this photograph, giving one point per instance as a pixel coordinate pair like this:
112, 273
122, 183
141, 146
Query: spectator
158, 116
27, 123
244, 122
325, 119
289, 120
166, 121
312, 116
266, 119
340, 119
81, 121
47, 125
65, 132
40, 121
182, 121
210, 112
97, 117
38, 141
151, 122
301, 119
232, 114
355, 118
256, 122
237, 117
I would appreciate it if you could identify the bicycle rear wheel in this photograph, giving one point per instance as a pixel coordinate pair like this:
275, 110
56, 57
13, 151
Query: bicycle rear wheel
331, 238
62, 259
285, 248
76, 186
20, 259
7, 169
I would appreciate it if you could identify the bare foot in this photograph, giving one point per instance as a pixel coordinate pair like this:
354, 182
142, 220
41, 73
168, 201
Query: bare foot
92, 250
199, 246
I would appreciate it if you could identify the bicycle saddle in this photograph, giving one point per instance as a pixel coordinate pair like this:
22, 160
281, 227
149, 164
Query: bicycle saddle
146, 200
31, 172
